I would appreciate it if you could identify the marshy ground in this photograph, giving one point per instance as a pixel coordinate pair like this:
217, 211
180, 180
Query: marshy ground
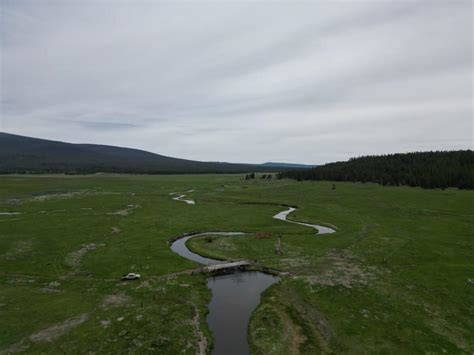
393, 278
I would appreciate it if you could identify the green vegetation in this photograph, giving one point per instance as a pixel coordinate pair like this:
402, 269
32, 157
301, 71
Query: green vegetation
397, 277
425, 169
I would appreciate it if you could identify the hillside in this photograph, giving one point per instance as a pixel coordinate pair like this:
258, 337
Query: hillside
19, 154
425, 169
288, 165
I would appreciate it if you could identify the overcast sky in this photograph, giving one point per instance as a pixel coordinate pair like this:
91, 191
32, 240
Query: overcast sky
241, 81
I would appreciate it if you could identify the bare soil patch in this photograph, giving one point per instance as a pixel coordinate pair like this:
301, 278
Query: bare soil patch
15, 348
55, 331
46, 197
201, 338
116, 300
74, 259
342, 269
125, 211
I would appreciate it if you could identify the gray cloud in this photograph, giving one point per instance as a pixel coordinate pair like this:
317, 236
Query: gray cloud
240, 81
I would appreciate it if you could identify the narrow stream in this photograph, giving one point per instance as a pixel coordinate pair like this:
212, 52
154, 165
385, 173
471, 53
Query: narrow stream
182, 198
321, 229
236, 295
234, 298
179, 247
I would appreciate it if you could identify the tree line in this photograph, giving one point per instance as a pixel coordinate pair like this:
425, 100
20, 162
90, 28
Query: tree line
253, 176
440, 169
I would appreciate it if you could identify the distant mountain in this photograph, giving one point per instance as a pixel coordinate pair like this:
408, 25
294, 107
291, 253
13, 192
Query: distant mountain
19, 154
288, 165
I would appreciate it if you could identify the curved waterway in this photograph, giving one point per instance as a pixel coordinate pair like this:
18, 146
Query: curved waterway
283, 216
179, 247
236, 295
182, 198
234, 298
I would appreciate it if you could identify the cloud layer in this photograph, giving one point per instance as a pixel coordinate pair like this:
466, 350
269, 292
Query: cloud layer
245, 81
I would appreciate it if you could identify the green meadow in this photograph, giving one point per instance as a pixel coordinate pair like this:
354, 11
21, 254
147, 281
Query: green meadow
396, 277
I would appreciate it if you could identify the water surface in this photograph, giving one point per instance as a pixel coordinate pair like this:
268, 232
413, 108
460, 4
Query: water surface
234, 298
284, 214
179, 247
236, 295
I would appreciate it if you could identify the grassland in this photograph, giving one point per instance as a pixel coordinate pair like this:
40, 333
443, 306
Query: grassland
395, 278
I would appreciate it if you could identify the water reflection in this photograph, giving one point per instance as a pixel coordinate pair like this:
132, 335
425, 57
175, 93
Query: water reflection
234, 297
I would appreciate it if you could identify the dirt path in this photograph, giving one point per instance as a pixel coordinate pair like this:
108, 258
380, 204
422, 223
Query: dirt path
201, 338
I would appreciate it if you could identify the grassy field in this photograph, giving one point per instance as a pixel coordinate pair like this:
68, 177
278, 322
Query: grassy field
395, 278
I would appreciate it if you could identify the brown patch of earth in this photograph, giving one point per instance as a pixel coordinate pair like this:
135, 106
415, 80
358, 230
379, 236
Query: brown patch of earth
52, 287
341, 269
316, 324
295, 335
55, 331
15, 348
74, 259
201, 338
289, 324
20, 247
117, 300
105, 323
61, 195
125, 211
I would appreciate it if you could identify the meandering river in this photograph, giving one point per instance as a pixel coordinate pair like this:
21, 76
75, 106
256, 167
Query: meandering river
283, 216
234, 296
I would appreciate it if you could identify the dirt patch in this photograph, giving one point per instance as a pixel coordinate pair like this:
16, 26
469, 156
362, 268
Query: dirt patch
200, 337
42, 198
72, 194
117, 300
74, 259
52, 287
125, 211
105, 323
315, 323
342, 269
286, 323
263, 235
20, 247
15, 348
456, 334
295, 334
55, 331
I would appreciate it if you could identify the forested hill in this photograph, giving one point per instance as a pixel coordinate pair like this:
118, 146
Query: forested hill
20, 154
425, 169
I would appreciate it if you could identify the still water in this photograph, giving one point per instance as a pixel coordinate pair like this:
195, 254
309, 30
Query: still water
234, 298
